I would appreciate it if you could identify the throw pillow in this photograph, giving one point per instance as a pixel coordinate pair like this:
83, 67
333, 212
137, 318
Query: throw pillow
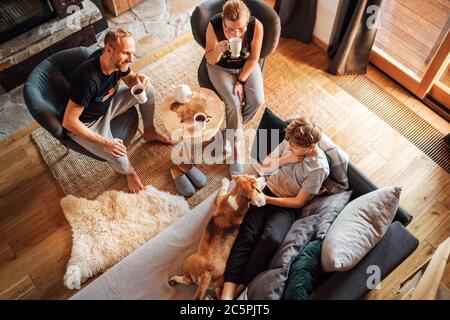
338, 179
358, 228
269, 135
304, 273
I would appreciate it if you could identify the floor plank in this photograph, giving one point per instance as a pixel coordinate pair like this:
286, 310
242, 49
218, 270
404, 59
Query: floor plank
424, 225
21, 290
441, 233
6, 252
391, 284
410, 31
434, 11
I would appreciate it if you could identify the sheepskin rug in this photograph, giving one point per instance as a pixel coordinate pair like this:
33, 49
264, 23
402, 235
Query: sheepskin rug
109, 228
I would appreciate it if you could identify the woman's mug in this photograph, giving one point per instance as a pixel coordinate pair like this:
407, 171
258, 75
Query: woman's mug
183, 93
235, 46
201, 120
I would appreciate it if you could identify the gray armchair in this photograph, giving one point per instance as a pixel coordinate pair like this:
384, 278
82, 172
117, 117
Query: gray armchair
258, 8
46, 94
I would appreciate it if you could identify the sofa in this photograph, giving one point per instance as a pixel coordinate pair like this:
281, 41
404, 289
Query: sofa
144, 273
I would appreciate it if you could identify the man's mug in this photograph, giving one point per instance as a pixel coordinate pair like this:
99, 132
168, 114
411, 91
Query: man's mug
200, 120
183, 93
138, 91
235, 46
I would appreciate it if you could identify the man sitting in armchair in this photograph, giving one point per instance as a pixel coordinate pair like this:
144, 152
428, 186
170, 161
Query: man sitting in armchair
96, 98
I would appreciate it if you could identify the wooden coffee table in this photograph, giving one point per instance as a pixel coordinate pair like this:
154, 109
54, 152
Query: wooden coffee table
178, 118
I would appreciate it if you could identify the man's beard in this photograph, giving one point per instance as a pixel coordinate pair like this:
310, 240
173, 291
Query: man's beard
119, 66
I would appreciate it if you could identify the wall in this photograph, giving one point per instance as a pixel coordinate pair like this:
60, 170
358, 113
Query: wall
326, 12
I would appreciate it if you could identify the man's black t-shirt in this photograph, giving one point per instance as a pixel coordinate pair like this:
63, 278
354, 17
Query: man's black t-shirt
92, 89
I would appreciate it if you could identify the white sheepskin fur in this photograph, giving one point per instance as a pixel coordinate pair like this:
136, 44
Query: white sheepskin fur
109, 228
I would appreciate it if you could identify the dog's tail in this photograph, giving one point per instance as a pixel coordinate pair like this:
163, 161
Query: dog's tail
205, 279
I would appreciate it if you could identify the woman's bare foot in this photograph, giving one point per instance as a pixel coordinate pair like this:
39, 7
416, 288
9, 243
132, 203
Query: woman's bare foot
134, 183
152, 135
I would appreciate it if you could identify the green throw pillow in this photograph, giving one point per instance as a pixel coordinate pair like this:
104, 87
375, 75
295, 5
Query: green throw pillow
304, 273
263, 144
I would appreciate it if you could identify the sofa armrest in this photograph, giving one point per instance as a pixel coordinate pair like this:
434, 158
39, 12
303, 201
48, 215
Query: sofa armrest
396, 245
361, 184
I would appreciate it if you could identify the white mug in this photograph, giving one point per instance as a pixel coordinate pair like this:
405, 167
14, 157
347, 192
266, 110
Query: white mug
183, 93
235, 46
200, 120
138, 91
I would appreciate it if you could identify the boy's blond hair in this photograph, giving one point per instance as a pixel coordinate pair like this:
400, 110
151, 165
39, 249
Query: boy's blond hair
233, 10
113, 36
303, 132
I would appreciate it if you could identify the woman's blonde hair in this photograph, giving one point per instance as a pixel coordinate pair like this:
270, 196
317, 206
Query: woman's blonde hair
233, 10
113, 36
303, 132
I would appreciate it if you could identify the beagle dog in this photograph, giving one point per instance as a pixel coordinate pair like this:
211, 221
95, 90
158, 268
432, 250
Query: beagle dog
207, 266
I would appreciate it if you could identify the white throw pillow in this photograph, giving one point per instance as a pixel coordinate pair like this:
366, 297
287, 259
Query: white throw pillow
358, 228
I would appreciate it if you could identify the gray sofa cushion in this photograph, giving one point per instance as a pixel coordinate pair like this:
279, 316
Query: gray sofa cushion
396, 245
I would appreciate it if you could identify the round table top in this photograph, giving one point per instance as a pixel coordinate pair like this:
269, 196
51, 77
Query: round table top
178, 118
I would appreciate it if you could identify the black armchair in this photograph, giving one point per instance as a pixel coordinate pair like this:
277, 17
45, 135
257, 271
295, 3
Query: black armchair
205, 11
46, 94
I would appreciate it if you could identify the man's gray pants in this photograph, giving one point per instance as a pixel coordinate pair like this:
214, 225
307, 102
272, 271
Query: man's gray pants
121, 102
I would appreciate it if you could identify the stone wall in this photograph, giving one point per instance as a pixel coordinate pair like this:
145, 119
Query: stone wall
43, 36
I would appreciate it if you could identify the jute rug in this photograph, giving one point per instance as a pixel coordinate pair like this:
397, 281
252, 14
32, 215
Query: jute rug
286, 94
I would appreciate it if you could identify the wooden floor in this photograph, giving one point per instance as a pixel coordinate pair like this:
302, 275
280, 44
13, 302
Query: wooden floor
410, 29
35, 238
445, 79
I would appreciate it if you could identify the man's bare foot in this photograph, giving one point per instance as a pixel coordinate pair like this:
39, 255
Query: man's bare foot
134, 183
155, 136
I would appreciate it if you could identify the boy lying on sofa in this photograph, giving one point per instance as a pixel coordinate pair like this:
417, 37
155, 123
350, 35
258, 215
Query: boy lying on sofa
300, 169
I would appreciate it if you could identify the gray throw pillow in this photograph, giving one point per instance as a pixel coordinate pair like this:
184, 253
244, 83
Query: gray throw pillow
358, 228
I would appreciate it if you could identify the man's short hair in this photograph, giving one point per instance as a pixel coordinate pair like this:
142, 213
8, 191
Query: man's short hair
303, 132
113, 36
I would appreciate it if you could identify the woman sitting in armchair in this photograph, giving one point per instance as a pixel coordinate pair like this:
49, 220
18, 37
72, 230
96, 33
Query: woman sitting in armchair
236, 76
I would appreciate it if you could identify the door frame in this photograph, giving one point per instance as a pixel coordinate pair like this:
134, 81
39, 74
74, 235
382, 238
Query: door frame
429, 84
